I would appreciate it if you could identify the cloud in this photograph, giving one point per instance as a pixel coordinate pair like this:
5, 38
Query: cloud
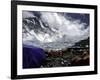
74, 30
26, 14
66, 30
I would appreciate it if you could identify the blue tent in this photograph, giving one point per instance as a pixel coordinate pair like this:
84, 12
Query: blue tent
33, 57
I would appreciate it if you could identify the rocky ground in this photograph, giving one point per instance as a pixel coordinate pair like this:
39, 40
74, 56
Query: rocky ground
68, 57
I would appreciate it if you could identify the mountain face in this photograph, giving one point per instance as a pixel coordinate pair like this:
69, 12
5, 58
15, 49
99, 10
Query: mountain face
54, 30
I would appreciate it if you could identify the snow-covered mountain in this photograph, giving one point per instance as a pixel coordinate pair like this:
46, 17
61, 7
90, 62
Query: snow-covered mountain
52, 30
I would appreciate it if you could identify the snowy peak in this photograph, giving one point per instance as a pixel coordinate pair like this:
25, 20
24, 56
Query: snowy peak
53, 30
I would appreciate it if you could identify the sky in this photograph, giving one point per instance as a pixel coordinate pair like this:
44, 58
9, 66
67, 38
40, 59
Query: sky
55, 28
